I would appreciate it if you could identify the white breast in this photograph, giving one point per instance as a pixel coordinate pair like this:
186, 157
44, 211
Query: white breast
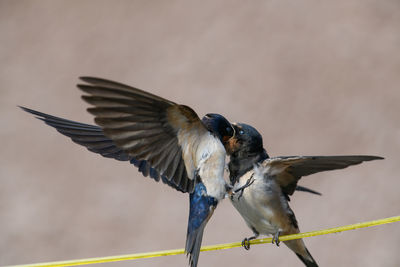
210, 159
258, 203
206, 154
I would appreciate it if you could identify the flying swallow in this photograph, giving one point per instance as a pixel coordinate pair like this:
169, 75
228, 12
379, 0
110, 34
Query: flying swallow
266, 184
165, 140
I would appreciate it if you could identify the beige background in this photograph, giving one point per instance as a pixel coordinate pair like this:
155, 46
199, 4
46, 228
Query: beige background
315, 77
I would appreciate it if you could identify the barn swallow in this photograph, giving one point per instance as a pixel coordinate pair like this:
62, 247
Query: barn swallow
165, 140
266, 184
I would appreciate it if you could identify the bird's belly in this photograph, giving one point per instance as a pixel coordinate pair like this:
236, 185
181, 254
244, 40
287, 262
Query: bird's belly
252, 217
257, 207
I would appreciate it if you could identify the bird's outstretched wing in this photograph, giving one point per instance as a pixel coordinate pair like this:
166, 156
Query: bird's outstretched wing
93, 138
148, 127
288, 170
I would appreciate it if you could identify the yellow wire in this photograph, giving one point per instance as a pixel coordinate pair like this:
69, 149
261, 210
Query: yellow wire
207, 248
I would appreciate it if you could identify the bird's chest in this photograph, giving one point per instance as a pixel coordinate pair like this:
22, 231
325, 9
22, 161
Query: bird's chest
210, 162
258, 203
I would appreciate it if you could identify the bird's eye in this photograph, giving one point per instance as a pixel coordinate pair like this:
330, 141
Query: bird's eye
228, 129
241, 132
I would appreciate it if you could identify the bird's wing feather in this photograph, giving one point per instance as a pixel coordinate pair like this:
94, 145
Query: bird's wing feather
93, 138
288, 170
147, 127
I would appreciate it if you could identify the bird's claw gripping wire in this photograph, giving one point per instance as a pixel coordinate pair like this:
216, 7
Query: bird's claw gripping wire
275, 238
246, 242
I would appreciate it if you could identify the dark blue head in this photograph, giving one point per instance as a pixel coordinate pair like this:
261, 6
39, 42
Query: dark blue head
246, 140
245, 149
219, 126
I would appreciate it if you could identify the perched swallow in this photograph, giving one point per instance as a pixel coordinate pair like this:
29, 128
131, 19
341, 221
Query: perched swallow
165, 140
266, 184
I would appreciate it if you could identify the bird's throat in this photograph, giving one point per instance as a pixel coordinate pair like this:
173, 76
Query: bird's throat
241, 163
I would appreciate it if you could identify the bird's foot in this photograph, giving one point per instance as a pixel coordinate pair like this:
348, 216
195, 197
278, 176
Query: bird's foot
246, 242
249, 182
275, 238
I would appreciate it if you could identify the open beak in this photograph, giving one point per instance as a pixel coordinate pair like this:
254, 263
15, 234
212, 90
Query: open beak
226, 138
232, 143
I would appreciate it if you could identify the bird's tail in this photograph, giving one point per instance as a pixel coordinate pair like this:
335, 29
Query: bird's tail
201, 209
309, 261
193, 244
308, 190
298, 247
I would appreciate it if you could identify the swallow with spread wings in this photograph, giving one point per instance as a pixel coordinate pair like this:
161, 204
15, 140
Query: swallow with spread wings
165, 140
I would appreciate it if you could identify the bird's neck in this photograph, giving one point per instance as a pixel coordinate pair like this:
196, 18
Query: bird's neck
242, 162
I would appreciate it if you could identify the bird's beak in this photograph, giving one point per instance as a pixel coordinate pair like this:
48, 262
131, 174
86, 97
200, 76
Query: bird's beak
231, 142
225, 139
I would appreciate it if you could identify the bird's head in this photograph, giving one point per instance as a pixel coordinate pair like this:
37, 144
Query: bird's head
246, 141
219, 126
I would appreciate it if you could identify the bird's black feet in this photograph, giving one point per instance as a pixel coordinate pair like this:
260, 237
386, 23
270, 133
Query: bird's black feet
275, 238
246, 242
249, 182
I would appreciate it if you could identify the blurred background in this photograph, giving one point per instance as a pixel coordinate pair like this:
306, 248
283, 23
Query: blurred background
314, 77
